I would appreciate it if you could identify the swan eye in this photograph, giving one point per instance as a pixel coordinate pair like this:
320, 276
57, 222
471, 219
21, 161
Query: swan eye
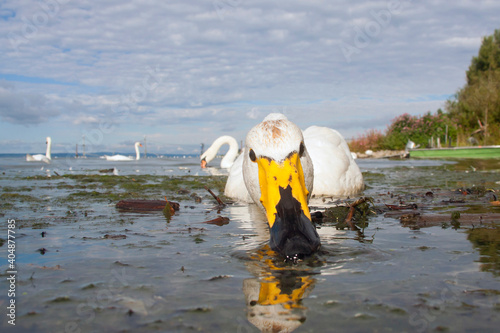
252, 156
302, 149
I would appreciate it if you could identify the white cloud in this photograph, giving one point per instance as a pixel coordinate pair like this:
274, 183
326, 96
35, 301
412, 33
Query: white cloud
24, 108
466, 42
166, 67
85, 120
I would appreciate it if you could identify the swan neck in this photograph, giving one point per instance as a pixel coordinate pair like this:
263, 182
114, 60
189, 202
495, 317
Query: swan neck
211, 152
48, 151
231, 154
137, 153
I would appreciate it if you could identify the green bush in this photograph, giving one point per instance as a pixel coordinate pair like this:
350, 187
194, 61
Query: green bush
420, 130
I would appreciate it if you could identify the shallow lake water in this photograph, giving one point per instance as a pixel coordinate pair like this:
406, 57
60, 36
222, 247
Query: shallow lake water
431, 264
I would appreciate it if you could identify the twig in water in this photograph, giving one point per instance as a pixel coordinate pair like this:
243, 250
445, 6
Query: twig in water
219, 201
349, 216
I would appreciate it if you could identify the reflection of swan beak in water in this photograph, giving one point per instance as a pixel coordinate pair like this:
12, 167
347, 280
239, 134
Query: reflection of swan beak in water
274, 295
228, 159
274, 298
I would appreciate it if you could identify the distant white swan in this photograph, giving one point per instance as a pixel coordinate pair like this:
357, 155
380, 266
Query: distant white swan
228, 159
39, 157
122, 158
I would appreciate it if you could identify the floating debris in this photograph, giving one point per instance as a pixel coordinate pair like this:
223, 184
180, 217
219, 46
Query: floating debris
60, 299
168, 211
419, 220
138, 205
111, 170
220, 277
453, 201
402, 207
364, 209
219, 201
54, 268
107, 236
346, 214
42, 250
220, 221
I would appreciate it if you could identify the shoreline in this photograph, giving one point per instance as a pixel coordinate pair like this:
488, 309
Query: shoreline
382, 154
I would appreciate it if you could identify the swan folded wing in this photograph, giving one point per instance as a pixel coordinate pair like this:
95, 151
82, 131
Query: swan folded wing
118, 158
335, 171
235, 184
37, 158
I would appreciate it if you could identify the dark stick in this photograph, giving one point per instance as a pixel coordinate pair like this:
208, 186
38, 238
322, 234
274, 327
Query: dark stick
348, 219
219, 201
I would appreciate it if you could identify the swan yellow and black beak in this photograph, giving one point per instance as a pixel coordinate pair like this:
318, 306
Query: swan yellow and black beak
284, 197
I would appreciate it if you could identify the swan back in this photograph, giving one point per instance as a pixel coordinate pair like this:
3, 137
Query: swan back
39, 157
235, 185
118, 158
121, 158
335, 171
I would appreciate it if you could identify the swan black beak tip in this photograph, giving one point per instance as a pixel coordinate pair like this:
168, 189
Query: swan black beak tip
293, 234
295, 241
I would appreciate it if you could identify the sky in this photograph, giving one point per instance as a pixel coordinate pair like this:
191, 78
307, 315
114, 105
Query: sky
182, 73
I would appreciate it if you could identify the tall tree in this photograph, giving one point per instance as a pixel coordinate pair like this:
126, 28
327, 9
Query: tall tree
476, 108
488, 58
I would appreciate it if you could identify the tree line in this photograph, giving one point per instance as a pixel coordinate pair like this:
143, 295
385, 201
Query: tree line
471, 116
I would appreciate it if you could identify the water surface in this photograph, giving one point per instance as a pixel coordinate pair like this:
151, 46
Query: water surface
84, 266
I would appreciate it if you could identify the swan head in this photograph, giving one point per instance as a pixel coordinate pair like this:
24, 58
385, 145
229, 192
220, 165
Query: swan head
211, 152
208, 155
278, 174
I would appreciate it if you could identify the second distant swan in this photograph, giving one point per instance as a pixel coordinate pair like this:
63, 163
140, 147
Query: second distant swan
40, 157
122, 158
228, 159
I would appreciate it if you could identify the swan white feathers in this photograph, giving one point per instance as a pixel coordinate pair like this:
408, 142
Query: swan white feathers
229, 157
123, 158
280, 167
335, 171
235, 184
277, 173
39, 157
